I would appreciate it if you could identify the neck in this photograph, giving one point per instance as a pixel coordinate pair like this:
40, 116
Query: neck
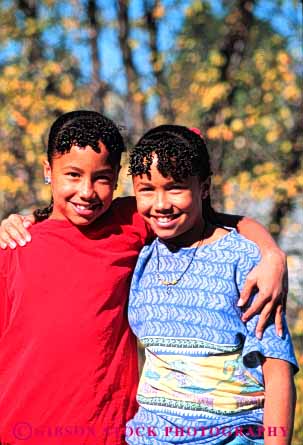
190, 238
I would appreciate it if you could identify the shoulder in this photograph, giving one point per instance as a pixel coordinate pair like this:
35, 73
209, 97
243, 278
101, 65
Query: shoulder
236, 248
242, 245
247, 256
49, 228
124, 211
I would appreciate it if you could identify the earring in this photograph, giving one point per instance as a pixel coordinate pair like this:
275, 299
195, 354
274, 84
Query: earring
47, 180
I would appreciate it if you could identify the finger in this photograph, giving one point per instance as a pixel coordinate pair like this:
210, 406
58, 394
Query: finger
246, 291
263, 319
276, 295
13, 233
29, 219
16, 230
26, 223
3, 245
278, 320
7, 240
256, 306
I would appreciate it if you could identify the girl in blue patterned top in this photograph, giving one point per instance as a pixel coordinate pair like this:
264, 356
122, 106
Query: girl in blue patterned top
207, 379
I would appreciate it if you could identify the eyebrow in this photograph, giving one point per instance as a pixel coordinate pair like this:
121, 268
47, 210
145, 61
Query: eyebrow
103, 171
145, 182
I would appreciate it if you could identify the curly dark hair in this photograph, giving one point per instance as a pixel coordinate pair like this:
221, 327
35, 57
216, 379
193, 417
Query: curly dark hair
180, 151
81, 128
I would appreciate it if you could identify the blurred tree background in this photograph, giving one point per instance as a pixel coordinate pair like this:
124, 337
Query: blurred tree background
233, 68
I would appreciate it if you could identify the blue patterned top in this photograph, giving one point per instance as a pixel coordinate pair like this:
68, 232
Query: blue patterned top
202, 377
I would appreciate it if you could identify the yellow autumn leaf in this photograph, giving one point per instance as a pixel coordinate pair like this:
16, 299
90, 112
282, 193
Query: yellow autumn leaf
268, 97
159, 11
237, 125
66, 86
286, 147
229, 204
216, 58
138, 97
19, 118
284, 112
283, 58
10, 71
292, 93
270, 75
213, 94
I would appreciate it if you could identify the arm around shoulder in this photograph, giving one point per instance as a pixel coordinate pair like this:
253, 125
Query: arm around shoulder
13, 231
252, 230
269, 276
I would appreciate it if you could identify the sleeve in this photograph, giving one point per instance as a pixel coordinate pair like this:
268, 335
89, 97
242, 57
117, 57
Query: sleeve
271, 345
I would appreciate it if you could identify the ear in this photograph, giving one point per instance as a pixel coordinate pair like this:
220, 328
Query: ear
205, 188
47, 170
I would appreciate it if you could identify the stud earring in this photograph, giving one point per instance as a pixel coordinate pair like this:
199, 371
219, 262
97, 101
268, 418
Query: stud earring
47, 180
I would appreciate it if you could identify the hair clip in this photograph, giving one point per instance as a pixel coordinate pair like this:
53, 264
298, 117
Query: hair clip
197, 131
47, 180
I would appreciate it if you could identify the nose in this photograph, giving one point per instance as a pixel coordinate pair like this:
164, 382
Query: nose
86, 190
162, 203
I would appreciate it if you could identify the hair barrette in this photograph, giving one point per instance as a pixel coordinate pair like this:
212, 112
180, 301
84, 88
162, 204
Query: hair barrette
197, 131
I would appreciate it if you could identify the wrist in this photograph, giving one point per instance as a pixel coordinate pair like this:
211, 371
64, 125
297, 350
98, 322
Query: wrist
275, 253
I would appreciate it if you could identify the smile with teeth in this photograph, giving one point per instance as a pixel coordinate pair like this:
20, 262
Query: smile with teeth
85, 209
165, 219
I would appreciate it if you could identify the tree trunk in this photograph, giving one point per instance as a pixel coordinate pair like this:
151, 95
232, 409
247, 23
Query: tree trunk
33, 43
162, 86
33, 48
238, 24
136, 120
98, 87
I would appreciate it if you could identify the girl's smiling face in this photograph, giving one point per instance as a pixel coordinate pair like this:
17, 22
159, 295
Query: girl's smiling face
83, 183
173, 209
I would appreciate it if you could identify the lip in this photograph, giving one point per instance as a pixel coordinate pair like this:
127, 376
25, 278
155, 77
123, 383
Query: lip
85, 209
165, 221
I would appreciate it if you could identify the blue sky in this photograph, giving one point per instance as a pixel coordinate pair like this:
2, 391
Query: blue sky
110, 55
111, 58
